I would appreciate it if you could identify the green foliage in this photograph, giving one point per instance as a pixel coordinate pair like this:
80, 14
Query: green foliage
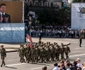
51, 16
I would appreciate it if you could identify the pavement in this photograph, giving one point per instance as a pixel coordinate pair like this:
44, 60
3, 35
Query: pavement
12, 59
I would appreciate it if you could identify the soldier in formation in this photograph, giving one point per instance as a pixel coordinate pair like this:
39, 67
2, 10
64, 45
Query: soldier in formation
44, 52
22, 53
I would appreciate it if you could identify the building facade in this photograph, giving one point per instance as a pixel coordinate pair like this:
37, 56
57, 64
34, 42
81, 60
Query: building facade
44, 3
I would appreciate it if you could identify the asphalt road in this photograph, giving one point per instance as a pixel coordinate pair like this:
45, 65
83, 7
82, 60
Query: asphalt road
12, 60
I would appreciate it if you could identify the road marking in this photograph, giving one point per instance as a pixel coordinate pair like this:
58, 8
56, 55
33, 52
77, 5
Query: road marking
76, 55
12, 60
80, 48
75, 52
16, 64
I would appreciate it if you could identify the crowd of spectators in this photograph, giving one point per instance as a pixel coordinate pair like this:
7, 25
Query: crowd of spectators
67, 65
54, 31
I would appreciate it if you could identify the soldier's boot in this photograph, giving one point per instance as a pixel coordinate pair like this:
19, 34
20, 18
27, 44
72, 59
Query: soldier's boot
32, 60
4, 63
37, 60
45, 60
67, 56
28, 60
21, 60
57, 58
52, 58
42, 60
62, 57
80, 44
48, 59
1, 65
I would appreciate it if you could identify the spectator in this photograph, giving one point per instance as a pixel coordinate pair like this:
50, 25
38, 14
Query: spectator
74, 67
79, 68
83, 66
79, 64
62, 67
67, 62
55, 67
44, 68
67, 66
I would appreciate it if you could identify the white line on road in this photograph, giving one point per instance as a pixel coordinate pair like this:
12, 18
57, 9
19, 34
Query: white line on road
76, 55
12, 60
16, 64
75, 52
80, 48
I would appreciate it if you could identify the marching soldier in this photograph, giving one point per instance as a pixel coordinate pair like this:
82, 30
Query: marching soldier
67, 51
80, 41
56, 53
33, 54
27, 53
44, 55
63, 51
37, 53
3, 55
22, 53
48, 53
52, 53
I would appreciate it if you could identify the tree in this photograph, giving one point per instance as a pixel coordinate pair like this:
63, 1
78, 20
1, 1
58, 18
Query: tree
61, 17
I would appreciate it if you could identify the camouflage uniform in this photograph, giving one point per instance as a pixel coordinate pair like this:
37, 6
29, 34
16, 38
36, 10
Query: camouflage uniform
22, 53
27, 53
33, 54
80, 41
67, 51
57, 52
48, 54
52, 53
62, 51
43, 54
3, 55
37, 53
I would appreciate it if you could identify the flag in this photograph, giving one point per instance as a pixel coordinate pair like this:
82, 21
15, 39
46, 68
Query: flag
30, 39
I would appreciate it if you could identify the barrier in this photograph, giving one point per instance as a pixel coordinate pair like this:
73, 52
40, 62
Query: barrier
12, 32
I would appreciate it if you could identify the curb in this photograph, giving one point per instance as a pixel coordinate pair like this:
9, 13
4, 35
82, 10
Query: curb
11, 51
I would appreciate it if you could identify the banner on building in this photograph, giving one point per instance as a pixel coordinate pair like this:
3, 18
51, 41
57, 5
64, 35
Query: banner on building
78, 16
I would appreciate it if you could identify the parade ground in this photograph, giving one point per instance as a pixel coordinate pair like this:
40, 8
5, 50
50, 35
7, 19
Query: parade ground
12, 59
